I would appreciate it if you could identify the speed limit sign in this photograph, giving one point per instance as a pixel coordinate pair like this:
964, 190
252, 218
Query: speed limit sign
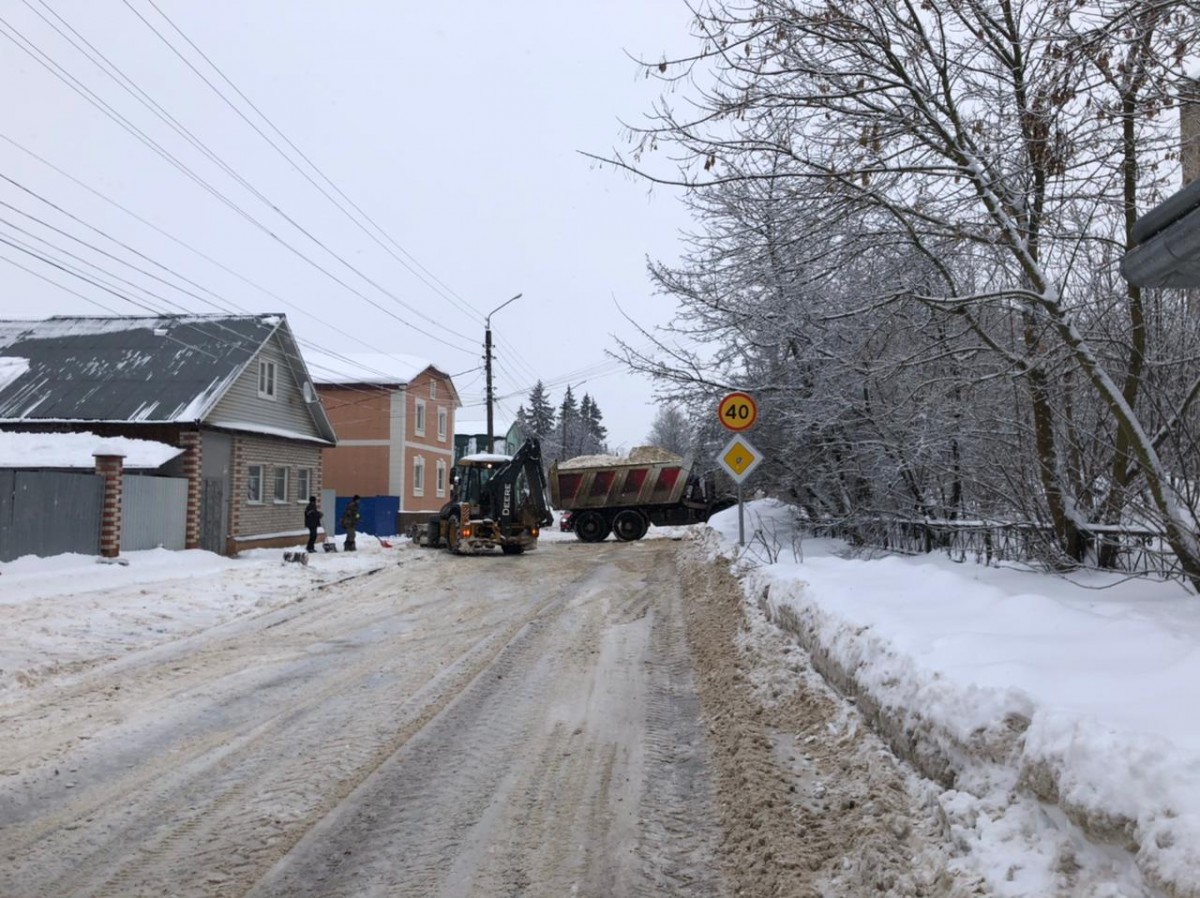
738, 412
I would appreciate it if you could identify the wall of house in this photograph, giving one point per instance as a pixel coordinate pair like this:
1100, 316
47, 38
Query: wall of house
269, 521
1189, 127
288, 412
429, 446
363, 419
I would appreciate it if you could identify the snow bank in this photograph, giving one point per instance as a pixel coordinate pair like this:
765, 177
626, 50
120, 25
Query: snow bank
1024, 695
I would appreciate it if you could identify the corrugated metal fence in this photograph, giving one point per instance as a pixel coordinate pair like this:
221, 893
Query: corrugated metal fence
48, 513
153, 512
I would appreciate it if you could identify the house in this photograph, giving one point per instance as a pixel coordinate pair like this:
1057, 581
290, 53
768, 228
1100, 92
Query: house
231, 391
394, 416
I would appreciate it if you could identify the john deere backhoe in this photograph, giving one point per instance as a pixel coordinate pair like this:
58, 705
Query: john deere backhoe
495, 501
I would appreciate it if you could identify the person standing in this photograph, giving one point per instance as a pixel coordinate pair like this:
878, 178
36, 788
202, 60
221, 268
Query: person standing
312, 520
350, 522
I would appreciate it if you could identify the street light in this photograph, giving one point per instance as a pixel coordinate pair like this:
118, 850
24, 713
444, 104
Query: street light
487, 359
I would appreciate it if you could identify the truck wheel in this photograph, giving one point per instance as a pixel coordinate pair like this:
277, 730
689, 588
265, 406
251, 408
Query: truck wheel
591, 527
452, 534
629, 525
512, 550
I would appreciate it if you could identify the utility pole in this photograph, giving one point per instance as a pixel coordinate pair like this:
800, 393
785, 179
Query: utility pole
487, 364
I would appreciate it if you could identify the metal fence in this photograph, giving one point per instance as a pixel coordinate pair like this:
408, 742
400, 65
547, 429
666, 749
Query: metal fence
48, 513
1129, 550
153, 512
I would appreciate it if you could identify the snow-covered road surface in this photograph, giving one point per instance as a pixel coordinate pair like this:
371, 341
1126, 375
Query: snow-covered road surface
577, 721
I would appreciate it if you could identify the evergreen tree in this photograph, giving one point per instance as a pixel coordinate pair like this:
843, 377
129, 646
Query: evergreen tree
593, 434
538, 421
568, 426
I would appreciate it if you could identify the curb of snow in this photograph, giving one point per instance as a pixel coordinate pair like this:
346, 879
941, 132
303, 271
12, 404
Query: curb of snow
982, 742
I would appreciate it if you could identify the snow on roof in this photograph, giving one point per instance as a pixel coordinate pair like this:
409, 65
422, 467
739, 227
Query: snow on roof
11, 367
363, 368
486, 458
77, 450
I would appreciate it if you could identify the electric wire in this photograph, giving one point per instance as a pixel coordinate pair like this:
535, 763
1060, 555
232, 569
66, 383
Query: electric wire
140, 135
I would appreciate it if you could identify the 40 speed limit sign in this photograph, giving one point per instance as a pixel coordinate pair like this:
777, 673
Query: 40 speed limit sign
737, 412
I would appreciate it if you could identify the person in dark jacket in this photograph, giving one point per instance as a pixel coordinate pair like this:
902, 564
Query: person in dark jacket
312, 520
350, 522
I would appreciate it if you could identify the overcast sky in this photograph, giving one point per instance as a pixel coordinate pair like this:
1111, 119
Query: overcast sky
455, 127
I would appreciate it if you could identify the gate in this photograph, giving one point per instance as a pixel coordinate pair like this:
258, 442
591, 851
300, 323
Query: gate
153, 512
212, 515
48, 513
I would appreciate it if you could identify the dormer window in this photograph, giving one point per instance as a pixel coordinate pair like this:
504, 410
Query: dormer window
266, 380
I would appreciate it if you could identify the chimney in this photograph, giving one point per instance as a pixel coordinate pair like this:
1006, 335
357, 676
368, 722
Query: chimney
1189, 129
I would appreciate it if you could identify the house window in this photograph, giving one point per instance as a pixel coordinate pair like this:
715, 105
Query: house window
303, 484
442, 425
266, 379
441, 478
433, 389
419, 424
281, 479
418, 476
254, 484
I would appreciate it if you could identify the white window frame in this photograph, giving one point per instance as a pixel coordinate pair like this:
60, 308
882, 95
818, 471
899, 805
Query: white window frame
440, 482
254, 484
280, 486
419, 475
419, 419
443, 420
304, 483
268, 379
433, 389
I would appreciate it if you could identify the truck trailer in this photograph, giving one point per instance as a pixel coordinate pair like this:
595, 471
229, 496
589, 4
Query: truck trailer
625, 495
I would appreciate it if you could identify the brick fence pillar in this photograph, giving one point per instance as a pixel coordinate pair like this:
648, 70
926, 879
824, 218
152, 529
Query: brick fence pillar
192, 459
110, 467
1189, 129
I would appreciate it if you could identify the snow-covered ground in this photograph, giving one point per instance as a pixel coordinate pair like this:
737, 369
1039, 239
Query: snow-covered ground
1051, 707
1047, 707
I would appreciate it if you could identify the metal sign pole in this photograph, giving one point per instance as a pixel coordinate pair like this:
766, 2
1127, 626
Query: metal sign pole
741, 518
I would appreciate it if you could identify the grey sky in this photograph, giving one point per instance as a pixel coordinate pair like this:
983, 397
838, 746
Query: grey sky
455, 127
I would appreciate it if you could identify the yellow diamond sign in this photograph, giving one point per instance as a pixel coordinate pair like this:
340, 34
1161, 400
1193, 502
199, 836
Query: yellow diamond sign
739, 458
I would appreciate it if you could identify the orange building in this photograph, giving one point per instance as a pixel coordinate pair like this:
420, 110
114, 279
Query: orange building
394, 417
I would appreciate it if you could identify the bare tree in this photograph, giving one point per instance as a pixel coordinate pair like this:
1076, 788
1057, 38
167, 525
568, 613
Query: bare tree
982, 158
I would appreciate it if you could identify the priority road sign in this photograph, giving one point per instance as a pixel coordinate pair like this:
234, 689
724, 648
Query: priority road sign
737, 412
739, 458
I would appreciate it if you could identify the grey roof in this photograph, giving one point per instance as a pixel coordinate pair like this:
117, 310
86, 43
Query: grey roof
149, 370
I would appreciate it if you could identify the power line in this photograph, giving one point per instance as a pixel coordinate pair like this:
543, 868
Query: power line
438, 286
59, 72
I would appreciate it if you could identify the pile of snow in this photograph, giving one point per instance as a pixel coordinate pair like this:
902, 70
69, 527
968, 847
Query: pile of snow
639, 455
1059, 714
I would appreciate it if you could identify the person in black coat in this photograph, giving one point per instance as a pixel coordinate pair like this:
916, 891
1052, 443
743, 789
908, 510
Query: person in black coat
312, 520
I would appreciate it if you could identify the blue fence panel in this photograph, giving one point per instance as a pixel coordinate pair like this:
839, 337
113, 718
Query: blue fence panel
377, 514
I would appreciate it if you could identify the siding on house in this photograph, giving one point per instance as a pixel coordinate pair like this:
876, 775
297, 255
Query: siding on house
268, 517
242, 407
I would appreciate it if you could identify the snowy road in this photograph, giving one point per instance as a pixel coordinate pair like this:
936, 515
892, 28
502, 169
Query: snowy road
577, 721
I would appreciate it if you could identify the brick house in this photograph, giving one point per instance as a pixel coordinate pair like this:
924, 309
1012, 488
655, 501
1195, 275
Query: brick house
230, 390
394, 416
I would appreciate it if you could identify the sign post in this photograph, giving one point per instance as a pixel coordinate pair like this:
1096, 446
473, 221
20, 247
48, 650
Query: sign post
738, 412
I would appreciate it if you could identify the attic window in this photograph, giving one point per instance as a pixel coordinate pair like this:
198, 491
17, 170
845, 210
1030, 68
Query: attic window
433, 389
266, 380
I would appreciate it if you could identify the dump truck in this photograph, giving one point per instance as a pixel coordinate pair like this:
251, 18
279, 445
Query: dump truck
625, 495
496, 501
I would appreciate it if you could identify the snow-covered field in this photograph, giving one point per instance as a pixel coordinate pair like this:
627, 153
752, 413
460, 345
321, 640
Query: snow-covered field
1059, 715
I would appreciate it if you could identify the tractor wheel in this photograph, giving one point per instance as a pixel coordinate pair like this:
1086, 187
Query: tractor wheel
591, 526
452, 534
512, 550
629, 525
